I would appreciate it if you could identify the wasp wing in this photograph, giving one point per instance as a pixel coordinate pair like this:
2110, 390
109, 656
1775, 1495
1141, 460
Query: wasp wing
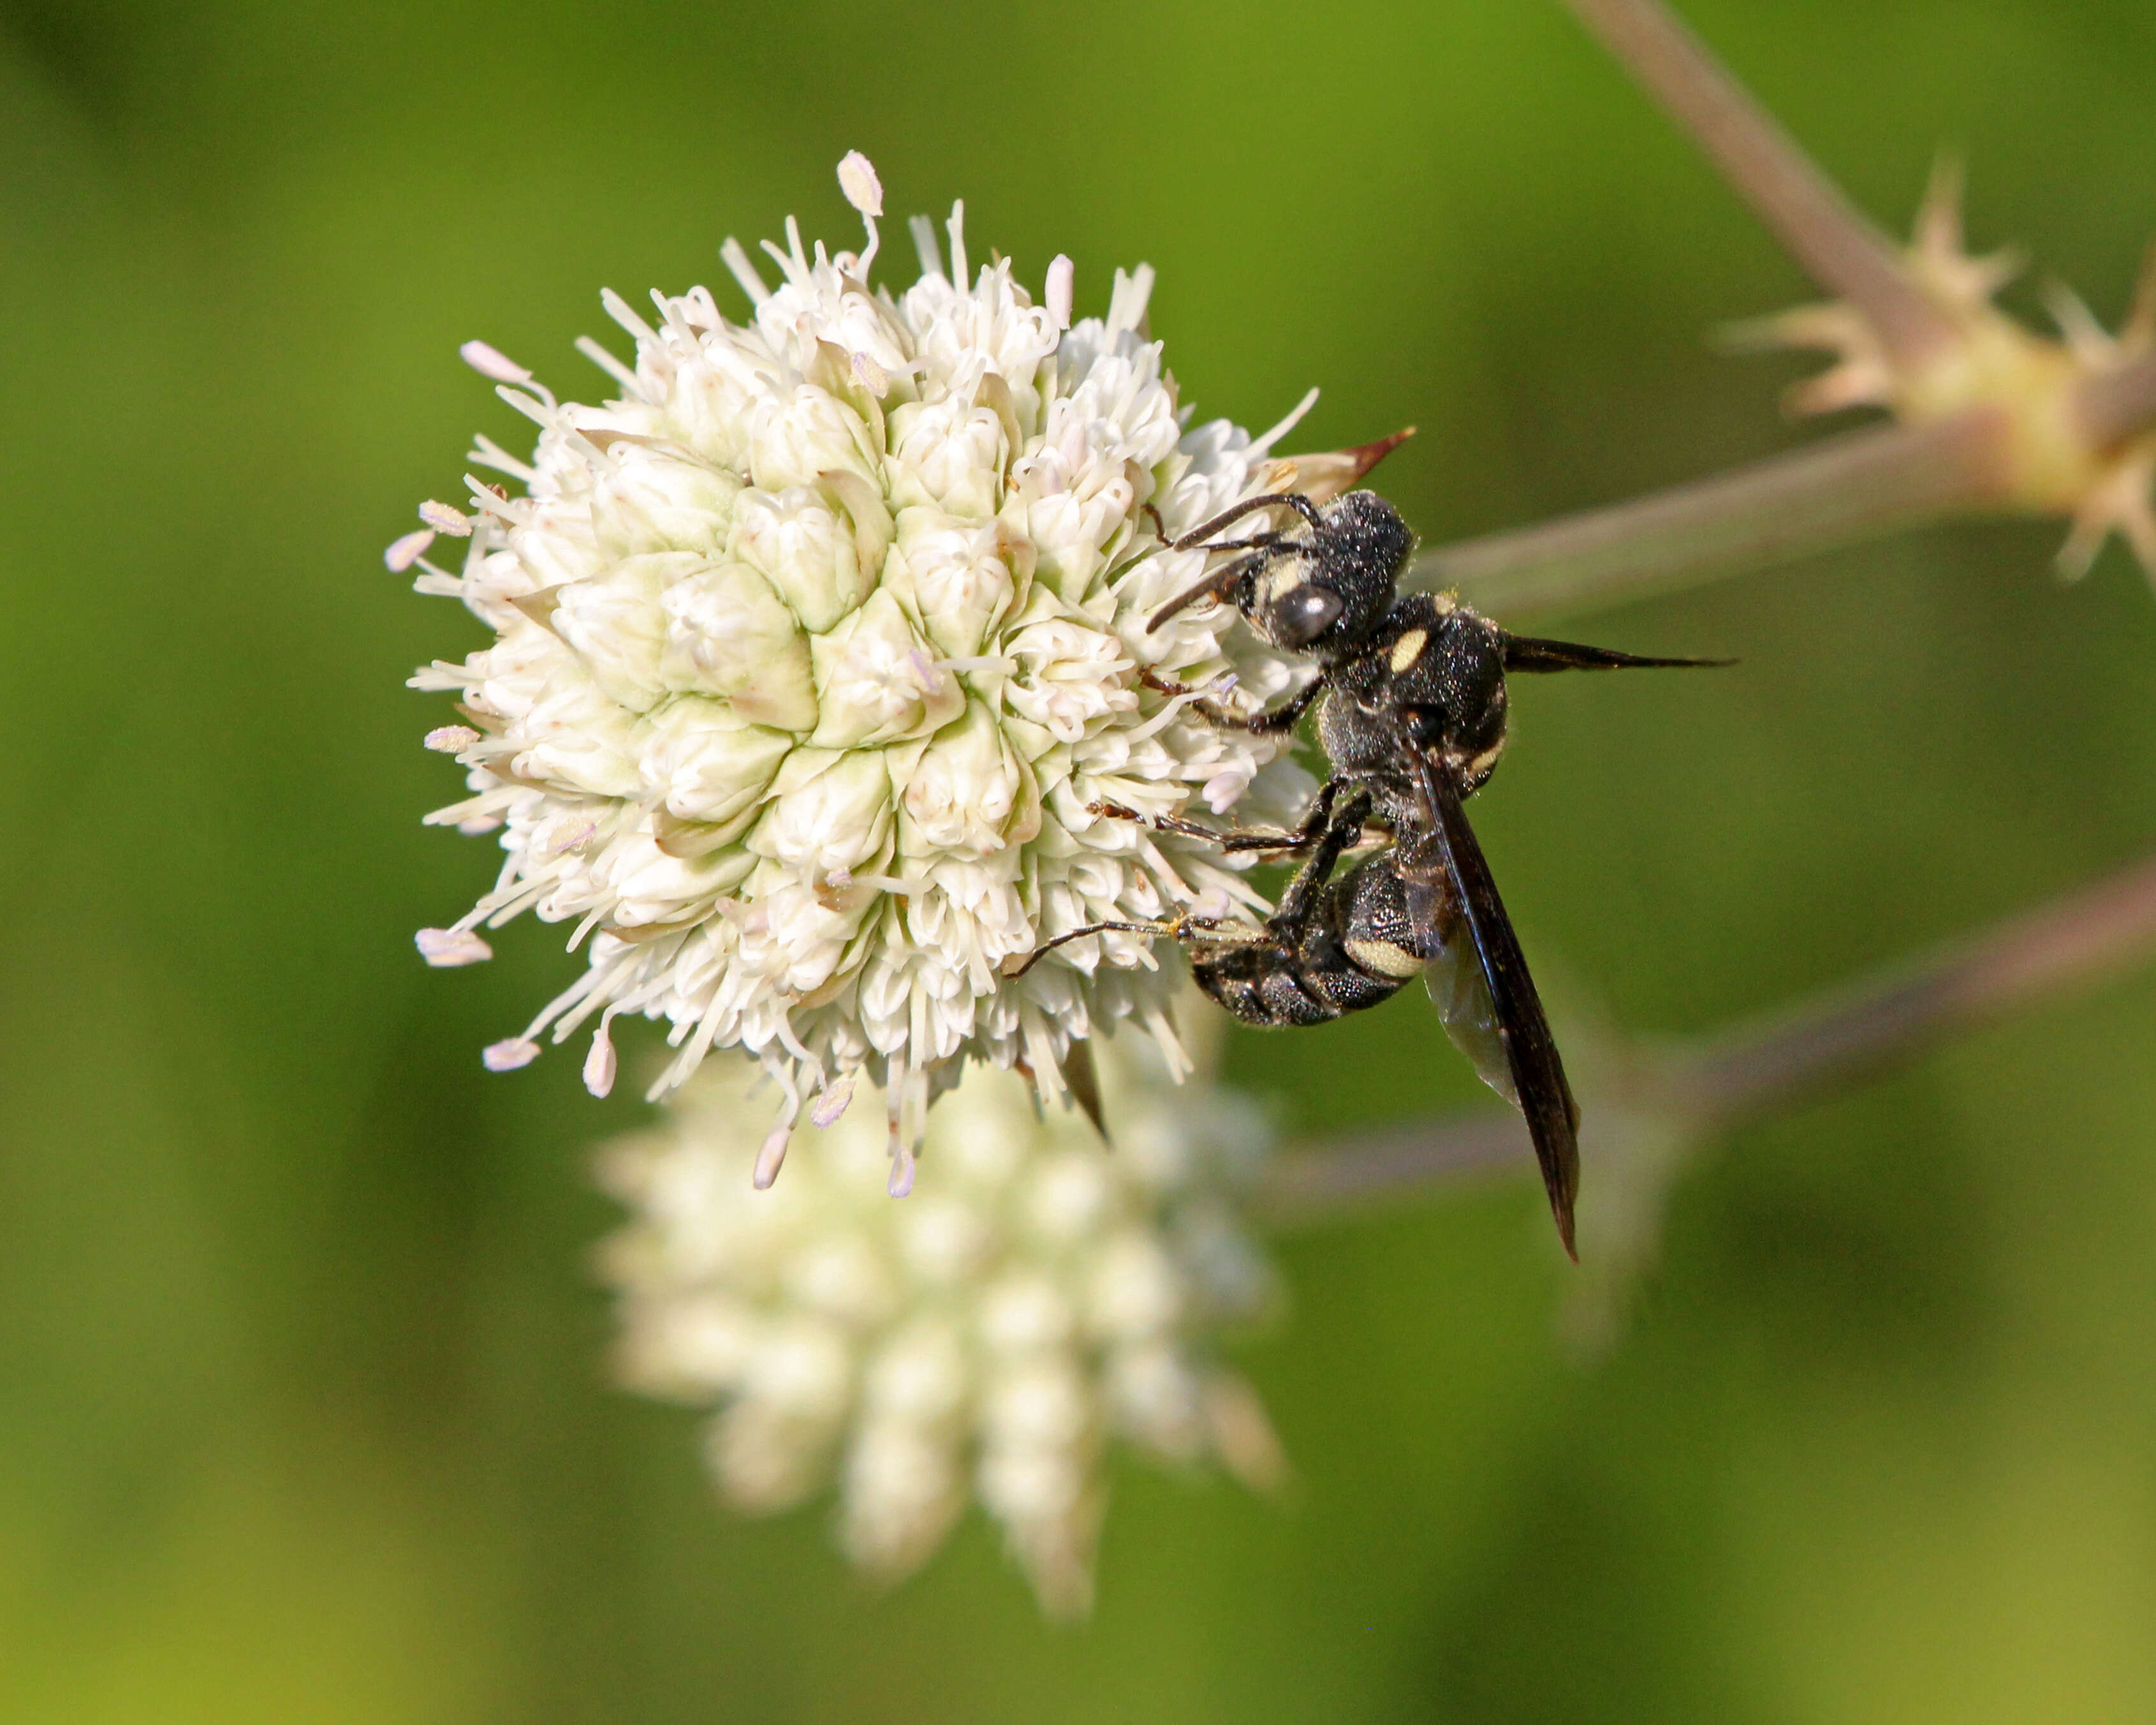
1449, 893
1454, 976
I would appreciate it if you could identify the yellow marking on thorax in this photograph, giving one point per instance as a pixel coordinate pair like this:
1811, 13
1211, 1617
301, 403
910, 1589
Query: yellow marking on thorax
1487, 759
1409, 649
1396, 964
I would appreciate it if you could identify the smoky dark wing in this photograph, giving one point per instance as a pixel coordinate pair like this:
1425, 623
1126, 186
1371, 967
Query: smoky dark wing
1531, 652
1447, 863
1454, 977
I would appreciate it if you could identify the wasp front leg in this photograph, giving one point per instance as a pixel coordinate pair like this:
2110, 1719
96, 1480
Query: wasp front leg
1300, 839
1280, 720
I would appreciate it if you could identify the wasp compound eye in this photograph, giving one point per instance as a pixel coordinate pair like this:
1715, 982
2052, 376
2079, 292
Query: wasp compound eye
1300, 617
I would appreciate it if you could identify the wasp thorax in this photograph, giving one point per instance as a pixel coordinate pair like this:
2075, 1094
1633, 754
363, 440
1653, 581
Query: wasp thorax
1341, 582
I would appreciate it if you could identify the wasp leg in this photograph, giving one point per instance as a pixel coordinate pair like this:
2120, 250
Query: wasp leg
1014, 972
1281, 718
1312, 829
1344, 828
1251, 839
1180, 927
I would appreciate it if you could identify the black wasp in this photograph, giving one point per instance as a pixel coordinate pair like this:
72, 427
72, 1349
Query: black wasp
1412, 722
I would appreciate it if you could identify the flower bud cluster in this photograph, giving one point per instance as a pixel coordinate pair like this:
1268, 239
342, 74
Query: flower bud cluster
815, 646
1041, 1294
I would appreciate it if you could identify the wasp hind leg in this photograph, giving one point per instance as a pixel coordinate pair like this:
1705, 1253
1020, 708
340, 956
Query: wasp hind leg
1183, 926
1341, 828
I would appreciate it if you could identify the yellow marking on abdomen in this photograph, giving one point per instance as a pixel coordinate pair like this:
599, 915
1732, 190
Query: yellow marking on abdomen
1396, 964
1409, 649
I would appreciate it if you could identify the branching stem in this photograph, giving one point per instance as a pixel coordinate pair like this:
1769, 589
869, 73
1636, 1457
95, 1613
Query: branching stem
1858, 485
1842, 489
1837, 245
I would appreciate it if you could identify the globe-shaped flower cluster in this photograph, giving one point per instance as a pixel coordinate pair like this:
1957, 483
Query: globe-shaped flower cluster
814, 648
987, 1338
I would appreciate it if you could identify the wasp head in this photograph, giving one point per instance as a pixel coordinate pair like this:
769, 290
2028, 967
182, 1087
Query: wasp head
1322, 592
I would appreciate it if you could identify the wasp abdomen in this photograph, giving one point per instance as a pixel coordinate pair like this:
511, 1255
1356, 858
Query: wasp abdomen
1356, 951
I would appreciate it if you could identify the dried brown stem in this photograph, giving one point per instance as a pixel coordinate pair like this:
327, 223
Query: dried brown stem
1837, 245
1843, 488
1758, 1070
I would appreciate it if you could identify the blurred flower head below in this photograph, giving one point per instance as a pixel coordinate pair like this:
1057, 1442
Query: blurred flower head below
1040, 1296
813, 649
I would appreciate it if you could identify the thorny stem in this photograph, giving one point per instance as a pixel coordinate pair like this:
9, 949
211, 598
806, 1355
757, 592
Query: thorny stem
1847, 488
1832, 492
1757, 1069
1841, 489
1835, 244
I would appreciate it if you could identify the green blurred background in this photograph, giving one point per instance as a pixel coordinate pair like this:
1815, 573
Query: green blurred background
301, 1409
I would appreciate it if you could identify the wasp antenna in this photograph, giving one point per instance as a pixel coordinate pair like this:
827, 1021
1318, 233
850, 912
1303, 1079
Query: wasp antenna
1212, 587
1250, 505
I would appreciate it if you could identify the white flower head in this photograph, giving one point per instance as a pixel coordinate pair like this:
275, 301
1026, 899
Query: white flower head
814, 648
1041, 1295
